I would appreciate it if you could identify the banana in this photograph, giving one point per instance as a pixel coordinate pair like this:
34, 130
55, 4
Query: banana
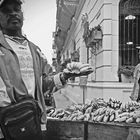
102, 110
97, 112
138, 120
89, 109
69, 66
73, 65
50, 113
56, 112
112, 111
72, 116
105, 118
112, 117
77, 65
123, 114
94, 118
85, 69
100, 118
60, 115
129, 120
136, 114
107, 111
83, 66
122, 119
67, 112
87, 117
116, 114
81, 117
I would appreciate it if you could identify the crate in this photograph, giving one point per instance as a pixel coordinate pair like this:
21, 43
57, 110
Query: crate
65, 130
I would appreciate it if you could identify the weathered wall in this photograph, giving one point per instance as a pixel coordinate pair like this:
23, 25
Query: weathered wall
106, 85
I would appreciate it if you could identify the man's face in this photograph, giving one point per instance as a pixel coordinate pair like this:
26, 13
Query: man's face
11, 17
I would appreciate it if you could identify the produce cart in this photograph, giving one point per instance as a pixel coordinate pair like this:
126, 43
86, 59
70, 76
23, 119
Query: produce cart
95, 120
83, 130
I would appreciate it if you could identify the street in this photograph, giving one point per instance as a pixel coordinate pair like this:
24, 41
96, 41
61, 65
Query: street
61, 100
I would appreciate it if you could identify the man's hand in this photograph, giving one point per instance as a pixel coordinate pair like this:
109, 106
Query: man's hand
76, 69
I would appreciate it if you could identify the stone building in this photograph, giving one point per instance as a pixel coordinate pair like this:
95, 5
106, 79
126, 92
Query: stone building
105, 34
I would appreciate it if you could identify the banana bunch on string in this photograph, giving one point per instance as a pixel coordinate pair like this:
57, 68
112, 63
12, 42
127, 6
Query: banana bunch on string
76, 69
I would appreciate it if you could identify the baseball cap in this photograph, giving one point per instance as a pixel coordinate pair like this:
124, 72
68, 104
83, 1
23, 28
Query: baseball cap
4, 2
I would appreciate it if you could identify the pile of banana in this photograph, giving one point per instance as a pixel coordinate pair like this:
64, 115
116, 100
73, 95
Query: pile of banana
98, 110
77, 111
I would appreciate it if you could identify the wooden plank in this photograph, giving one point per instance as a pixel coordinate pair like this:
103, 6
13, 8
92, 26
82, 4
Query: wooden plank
105, 131
65, 130
134, 134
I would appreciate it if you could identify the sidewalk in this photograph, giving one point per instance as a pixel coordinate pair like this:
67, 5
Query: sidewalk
61, 100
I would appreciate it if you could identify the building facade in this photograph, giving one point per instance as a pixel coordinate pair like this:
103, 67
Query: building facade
105, 34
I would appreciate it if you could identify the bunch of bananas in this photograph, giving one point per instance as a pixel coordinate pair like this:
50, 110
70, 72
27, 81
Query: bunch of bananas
56, 113
129, 117
114, 103
101, 103
78, 69
104, 114
130, 106
129, 113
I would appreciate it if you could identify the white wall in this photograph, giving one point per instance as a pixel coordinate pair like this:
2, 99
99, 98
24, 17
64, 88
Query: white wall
105, 13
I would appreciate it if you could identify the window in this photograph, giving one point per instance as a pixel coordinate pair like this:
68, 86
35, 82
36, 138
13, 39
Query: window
129, 32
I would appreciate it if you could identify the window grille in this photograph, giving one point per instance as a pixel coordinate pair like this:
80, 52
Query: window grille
129, 32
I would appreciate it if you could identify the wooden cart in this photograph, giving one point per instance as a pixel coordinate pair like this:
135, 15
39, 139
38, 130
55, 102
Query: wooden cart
82, 130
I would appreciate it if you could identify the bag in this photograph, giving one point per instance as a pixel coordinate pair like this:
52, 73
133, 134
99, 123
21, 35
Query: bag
21, 121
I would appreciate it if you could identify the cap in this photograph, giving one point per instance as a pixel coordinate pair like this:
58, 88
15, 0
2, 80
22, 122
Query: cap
3, 2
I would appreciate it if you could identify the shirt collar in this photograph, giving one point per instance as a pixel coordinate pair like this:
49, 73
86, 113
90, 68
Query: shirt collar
19, 40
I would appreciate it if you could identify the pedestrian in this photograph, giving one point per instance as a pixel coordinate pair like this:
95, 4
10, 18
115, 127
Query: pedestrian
22, 65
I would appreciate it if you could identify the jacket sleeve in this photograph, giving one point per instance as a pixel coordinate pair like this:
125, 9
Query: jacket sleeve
49, 82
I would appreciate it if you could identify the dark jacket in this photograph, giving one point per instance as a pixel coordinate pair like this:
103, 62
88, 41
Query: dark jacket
12, 87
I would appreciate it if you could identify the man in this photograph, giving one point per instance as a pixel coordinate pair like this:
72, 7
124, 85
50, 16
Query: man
21, 62
22, 67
